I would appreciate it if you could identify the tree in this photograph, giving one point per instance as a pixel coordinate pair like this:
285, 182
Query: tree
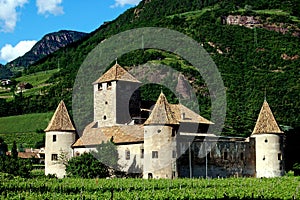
86, 166
17, 166
3, 147
107, 154
14, 151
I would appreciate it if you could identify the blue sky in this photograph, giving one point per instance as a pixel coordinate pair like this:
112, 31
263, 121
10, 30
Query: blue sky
24, 22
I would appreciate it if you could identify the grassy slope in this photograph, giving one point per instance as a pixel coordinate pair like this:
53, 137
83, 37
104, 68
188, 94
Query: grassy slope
38, 78
23, 128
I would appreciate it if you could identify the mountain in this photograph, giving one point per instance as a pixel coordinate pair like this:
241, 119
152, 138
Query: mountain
5, 72
254, 62
47, 45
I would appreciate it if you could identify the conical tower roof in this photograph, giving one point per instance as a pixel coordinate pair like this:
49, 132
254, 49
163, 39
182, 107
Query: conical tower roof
266, 122
61, 120
115, 73
162, 112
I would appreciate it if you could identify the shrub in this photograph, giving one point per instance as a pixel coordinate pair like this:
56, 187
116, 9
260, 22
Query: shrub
86, 166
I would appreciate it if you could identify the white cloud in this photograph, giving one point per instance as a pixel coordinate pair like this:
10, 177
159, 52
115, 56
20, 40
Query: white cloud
121, 3
9, 14
49, 7
9, 53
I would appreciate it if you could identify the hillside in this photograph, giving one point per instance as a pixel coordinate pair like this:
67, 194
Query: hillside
252, 61
26, 130
47, 45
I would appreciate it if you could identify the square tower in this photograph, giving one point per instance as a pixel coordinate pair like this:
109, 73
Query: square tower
116, 97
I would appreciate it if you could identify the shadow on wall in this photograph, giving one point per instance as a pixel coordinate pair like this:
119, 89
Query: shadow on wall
135, 170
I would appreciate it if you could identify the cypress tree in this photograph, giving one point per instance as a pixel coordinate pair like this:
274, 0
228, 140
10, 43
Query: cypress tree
14, 151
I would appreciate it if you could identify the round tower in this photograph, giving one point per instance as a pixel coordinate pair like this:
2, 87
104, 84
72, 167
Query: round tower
60, 135
268, 144
160, 141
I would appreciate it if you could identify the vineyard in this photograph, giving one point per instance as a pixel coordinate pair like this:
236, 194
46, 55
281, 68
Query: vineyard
69, 188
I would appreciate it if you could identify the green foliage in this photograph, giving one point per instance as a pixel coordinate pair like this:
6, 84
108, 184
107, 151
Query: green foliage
13, 165
86, 166
41, 143
5, 72
296, 168
107, 154
77, 188
17, 166
3, 147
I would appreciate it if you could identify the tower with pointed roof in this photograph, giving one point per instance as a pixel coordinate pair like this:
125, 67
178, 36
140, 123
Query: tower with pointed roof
268, 144
113, 104
160, 141
60, 135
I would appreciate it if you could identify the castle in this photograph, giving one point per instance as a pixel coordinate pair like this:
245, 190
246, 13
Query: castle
171, 142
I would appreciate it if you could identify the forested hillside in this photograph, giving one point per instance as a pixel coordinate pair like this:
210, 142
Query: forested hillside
252, 61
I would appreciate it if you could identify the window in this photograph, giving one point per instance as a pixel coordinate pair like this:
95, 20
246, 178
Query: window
104, 117
54, 157
266, 140
279, 156
225, 155
108, 85
99, 86
54, 138
154, 154
173, 132
106, 102
242, 156
127, 155
142, 153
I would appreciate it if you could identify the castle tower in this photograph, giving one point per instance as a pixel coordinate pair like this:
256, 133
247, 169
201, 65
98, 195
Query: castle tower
60, 135
160, 141
268, 144
112, 97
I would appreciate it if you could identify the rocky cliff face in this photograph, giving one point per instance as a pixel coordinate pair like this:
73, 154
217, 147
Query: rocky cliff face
47, 45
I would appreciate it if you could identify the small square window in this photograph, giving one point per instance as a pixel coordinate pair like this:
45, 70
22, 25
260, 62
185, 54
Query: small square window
127, 155
54, 138
154, 154
54, 157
